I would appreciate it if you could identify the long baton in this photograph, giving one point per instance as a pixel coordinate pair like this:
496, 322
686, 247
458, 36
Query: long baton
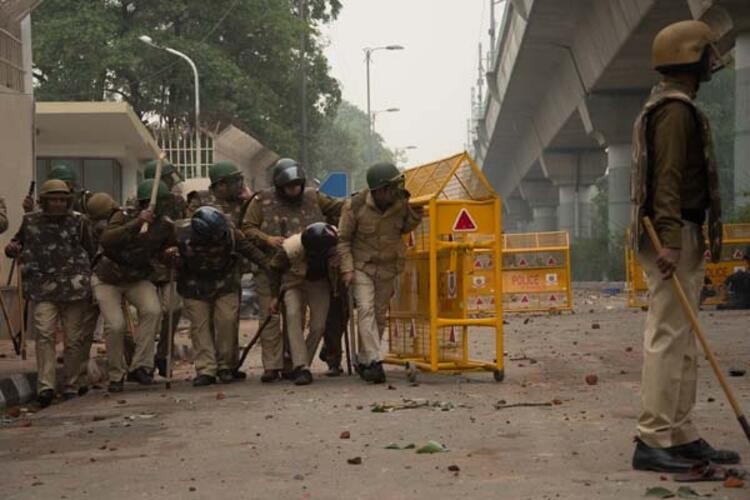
698, 329
254, 340
170, 324
352, 325
22, 311
155, 188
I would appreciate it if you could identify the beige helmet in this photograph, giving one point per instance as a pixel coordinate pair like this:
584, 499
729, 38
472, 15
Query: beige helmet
100, 206
684, 43
54, 186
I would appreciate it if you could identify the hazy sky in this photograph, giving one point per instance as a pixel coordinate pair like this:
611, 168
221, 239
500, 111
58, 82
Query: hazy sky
430, 81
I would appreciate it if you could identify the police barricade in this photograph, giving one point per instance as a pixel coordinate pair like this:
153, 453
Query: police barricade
536, 272
736, 239
451, 284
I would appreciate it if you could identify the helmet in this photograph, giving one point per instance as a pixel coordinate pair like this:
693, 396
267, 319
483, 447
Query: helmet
208, 224
221, 170
63, 173
54, 186
287, 171
683, 44
167, 170
382, 175
145, 187
100, 206
319, 237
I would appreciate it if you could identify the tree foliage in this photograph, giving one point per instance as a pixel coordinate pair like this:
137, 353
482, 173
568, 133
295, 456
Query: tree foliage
247, 53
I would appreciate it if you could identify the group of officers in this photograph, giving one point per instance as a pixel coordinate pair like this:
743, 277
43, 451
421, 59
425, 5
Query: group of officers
81, 256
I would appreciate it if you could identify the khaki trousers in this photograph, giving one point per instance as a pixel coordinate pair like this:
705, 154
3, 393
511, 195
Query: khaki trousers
90, 319
162, 346
316, 296
214, 332
46, 318
670, 364
271, 341
144, 297
372, 298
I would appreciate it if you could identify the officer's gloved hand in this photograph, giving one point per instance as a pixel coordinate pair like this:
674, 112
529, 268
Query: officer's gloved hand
28, 204
172, 256
12, 249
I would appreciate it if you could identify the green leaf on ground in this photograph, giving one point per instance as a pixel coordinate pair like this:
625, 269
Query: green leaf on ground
432, 447
659, 492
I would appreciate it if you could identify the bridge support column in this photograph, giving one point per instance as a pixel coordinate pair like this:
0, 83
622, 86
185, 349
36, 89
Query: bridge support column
742, 121
545, 218
618, 184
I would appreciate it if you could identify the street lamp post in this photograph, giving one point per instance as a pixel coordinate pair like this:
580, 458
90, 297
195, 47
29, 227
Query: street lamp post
368, 59
401, 152
374, 115
148, 41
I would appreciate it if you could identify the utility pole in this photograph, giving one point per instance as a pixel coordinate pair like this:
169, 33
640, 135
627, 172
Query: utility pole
493, 29
480, 80
303, 83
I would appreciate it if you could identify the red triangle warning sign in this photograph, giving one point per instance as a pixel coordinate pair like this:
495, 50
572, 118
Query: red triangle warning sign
552, 298
738, 255
522, 262
551, 261
464, 222
707, 255
411, 329
480, 301
525, 299
452, 337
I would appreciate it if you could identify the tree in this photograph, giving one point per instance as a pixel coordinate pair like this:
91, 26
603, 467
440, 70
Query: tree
247, 52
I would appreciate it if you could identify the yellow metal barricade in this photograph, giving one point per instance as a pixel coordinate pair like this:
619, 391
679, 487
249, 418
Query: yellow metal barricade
536, 272
736, 240
451, 284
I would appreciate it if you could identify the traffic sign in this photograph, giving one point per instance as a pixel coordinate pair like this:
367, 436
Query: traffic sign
464, 222
336, 185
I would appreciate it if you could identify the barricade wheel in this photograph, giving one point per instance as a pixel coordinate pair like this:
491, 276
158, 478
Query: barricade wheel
411, 373
499, 375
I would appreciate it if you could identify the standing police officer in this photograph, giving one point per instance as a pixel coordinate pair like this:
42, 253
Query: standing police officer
675, 182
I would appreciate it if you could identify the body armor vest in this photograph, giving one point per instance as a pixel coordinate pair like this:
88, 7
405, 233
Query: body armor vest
639, 175
207, 270
55, 265
285, 218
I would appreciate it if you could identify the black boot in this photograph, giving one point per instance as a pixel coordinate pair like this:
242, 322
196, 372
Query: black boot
334, 371
225, 376
302, 376
374, 373
701, 450
204, 380
45, 397
161, 366
116, 386
239, 375
141, 376
660, 459
269, 376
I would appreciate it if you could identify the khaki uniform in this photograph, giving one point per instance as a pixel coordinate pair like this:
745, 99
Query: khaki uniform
123, 270
371, 246
209, 281
270, 215
302, 288
56, 268
675, 183
3, 216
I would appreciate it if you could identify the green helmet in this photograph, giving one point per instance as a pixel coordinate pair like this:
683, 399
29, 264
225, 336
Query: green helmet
63, 173
100, 206
222, 170
166, 170
382, 175
145, 187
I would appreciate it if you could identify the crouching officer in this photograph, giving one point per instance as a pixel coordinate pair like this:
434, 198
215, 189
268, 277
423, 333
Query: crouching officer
301, 273
123, 270
209, 281
372, 251
55, 247
675, 182
273, 215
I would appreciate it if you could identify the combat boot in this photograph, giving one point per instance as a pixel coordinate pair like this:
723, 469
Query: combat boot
204, 380
225, 376
374, 373
45, 398
302, 377
334, 371
141, 376
239, 375
269, 376
161, 366
116, 386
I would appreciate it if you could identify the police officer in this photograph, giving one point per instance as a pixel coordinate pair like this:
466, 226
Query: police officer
273, 215
160, 277
675, 182
54, 247
300, 271
123, 270
228, 192
66, 174
209, 280
738, 287
372, 251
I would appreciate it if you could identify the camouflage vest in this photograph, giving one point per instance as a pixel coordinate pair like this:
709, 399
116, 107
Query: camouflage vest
207, 271
233, 209
639, 173
282, 218
55, 265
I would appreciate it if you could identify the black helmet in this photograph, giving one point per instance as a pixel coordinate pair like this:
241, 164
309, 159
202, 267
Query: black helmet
287, 171
319, 238
208, 225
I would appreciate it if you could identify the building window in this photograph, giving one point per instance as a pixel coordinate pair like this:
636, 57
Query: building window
94, 174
